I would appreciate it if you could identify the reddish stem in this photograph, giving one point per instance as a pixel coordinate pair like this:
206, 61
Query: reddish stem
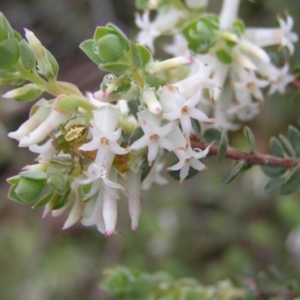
250, 158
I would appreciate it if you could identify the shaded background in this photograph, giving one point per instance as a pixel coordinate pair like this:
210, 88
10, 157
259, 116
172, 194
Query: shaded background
204, 230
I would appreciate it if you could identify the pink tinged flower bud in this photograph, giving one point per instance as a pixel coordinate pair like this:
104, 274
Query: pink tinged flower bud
169, 64
134, 198
44, 129
109, 213
148, 96
74, 215
34, 121
130, 94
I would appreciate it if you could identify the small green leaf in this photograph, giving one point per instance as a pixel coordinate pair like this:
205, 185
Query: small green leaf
56, 180
34, 174
63, 200
28, 93
115, 67
53, 63
274, 184
224, 56
120, 34
29, 189
9, 53
83, 190
44, 200
14, 179
229, 176
6, 30
212, 135
13, 196
294, 138
223, 146
248, 133
238, 27
101, 32
276, 147
273, 171
146, 55
136, 59
110, 48
287, 145
66, 104
27, 56
292, 182
89, 47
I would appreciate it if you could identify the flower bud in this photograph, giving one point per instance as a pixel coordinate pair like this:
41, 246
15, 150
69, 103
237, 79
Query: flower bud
168, 64
148, 96
134, 198
47, 65
34, 121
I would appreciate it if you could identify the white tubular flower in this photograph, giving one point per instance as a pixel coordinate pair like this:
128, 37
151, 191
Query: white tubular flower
164, 21
188, 157
282, 36
254, 50
168, 64
134, 198
105, 138
229, 13
33, 122
148, 96
44, 129
199, 80
154, 135
110, 207
109, 213
46, 151
176, 107
130, 94
74, 214
92, 213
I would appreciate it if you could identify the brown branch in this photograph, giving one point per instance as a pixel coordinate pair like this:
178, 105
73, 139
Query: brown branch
250, 158
295, 84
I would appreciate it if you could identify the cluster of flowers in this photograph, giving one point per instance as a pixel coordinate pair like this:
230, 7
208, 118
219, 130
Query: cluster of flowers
109, 142
103, 161
248, 69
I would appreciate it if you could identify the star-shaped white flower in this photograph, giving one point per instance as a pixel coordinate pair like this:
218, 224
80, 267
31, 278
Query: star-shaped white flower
176, 107
189, 157
148, 31
283, 79
105, 139
282, 36
154, 135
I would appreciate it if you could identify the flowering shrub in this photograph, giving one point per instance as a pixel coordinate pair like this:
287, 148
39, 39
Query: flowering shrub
94, 148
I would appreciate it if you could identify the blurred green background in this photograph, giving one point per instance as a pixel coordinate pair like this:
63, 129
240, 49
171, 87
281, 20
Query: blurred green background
204, 229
